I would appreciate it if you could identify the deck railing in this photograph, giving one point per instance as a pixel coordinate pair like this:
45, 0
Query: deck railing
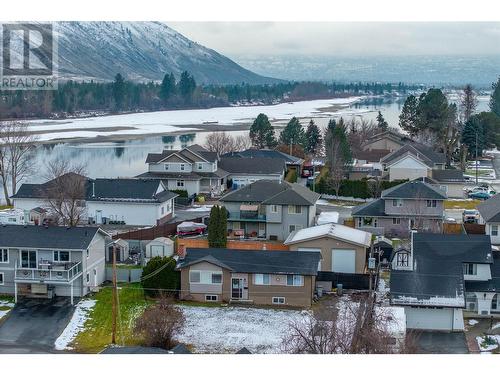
60, 273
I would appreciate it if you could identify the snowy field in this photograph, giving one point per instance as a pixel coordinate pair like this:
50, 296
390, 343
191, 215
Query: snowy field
166, 121
76, 324
228, 329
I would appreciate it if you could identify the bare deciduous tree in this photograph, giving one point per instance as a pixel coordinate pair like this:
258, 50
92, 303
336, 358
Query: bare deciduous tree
16, 154
222, 143
159, 323
65, 191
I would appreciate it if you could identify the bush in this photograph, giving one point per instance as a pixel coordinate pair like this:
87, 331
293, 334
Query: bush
291, 176
182, 193
167, 279
217, 227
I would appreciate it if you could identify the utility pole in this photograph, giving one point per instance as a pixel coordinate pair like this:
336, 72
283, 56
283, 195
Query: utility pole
115, 299
476, 157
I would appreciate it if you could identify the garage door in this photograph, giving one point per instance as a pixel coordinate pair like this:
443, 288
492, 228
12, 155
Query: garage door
312, 249
344, 261
431, 319
156, 251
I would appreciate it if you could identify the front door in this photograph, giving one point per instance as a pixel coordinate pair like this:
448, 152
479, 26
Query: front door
237, 286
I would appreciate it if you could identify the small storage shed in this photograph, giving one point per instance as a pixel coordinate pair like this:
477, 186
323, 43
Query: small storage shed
160, 247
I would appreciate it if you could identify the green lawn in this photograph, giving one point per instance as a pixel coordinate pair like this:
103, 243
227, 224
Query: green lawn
465, 204
480, 172
97, 333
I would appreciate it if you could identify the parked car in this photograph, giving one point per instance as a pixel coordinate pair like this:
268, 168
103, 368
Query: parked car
470, 216
481, 195
483, 188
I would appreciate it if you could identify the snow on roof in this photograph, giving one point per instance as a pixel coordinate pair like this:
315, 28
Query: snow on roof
457, 301
328, 217
331, 230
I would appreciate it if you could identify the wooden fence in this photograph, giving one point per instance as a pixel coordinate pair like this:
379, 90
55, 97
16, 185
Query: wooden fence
184, 243
163, 230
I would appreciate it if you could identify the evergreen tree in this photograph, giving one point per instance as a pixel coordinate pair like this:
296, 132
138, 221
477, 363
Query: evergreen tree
168, 278
293, 133
217, 227
167, 87
468, 103
222, 227
381, 123
119, 91
187, 85
473, 129
408, 119
338, 152
495, 98
314, 140
262, 132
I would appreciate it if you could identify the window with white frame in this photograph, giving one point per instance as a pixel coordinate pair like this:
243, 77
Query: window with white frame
396, 220
182, 167
397, 202
211, 297
431, 203
4, 255
261, 279
163, 210
294, 227
166, 167
403, 259
294, 209
205, 277
494, 302
274, 208
470, 269
61, 256
180, 183
494, 230
28, 259
200, 166
294, 280
278, 300
2, 281
368, 222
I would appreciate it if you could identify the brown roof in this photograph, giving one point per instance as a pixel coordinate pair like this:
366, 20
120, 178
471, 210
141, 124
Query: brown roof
371, 156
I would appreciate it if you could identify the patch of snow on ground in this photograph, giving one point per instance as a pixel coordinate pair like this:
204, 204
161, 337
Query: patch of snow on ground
487, 347
473, 322
496, 326
76, 324
4, 304
200, 208
228, 329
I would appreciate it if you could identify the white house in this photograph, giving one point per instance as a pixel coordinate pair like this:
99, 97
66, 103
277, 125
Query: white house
489, 215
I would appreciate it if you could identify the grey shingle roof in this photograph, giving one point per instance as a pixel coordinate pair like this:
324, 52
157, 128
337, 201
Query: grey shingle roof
40, 190
437, 278
200, 150
414, 190
273, 192
490, 209
492, 285
375, 208
253, 166
39, 237
258, 261
422, 152
256, 153
448, 175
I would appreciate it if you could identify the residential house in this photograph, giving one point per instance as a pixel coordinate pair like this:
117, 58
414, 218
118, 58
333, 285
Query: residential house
284, 278
270, 209
125, 201
343, 249
193, 169
246, 170
442, 274
389, 140
291, 162
411, 205
43, 262
411, 161
449, 180
489, 215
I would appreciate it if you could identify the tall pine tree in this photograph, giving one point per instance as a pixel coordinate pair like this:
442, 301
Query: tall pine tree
167, 87
495, 98
314, 140
293, 133
408, 119
262, 133
119, 92
381, 123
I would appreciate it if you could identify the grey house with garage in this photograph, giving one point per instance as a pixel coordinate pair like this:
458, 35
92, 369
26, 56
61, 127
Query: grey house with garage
244, 171
270, 209
411, 205
42, 262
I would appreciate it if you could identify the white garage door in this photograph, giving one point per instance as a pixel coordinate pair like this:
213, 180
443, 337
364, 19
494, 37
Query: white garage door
344, 261
431, 319
156, 251
312, 249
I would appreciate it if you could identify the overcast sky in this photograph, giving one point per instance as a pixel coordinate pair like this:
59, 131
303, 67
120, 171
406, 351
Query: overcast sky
344, 39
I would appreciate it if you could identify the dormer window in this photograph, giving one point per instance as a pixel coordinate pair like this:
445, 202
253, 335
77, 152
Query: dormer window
182, 167
470, 269
397, 202
403, 259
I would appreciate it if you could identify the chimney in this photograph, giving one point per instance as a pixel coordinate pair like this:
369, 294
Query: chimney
181, 250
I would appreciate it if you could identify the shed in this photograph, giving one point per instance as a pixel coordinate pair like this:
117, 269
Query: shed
160, 247
122, 253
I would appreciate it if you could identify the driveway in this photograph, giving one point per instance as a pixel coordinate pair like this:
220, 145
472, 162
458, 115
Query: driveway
441, 343
33, 325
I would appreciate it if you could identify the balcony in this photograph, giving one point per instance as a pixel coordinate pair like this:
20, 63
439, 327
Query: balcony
57, 272
251, 216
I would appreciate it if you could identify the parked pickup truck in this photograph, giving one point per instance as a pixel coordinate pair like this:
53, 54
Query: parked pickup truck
470, 216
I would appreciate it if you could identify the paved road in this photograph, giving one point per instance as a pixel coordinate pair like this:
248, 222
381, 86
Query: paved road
33, 325
442, 343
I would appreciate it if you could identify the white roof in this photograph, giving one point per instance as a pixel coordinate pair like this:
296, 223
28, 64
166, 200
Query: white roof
338, 231
328, 217
162, 239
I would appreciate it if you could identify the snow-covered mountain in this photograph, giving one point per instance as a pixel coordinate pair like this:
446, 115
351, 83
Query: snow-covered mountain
141, 51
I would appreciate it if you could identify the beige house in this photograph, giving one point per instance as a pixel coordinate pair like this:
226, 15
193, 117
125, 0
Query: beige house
261, 277
343, 249
389, 140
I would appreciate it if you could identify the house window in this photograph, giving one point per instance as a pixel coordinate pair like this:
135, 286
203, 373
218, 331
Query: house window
205, 277
88, 277
200, 166
494, 230
194, 276
294, 280
397, 202
2, 278
182, 167
261, 279
368, 222
494, 302
274, 208
163, 210
61, 256
431, 203
294, 209
470, 269
294, 227
217, 278
403, 259
166, 167
4, 255
28, 258
278, 300
180, 183
396, 220
88, 252
211, 297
